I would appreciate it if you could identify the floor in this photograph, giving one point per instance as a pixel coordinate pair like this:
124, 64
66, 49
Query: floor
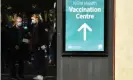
30, 73
28, 77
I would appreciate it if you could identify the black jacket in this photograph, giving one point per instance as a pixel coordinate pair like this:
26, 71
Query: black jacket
14, 37
39, 34
4, 38
54, 41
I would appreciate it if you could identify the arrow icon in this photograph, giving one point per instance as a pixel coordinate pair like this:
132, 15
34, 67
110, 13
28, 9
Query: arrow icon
84, 27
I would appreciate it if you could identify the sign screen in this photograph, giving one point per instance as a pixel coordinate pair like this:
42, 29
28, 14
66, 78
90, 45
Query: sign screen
84, 25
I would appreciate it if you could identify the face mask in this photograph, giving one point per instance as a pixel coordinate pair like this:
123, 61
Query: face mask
19, 24
33, 21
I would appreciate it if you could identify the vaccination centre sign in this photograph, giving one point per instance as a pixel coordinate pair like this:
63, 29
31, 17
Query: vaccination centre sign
84, 25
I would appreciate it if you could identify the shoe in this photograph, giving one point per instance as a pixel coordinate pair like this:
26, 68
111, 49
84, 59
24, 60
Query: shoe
38, 77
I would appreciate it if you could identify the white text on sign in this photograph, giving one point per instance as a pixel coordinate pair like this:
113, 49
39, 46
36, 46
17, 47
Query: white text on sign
87, 9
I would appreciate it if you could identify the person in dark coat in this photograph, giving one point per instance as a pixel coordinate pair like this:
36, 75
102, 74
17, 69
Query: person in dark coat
54, 48
4, 46
53, 43
15, 40
40, 43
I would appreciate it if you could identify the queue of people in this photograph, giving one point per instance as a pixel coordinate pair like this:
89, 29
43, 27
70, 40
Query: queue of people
20, 41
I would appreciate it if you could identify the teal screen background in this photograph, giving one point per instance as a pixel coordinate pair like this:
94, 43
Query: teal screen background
74, 39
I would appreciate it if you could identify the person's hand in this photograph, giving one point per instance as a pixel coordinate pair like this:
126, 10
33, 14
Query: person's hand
16, 47
25, 40
50, 61
46, 30
43, 47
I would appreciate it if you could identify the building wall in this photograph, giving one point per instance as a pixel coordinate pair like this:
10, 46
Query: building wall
84, 68
124, 40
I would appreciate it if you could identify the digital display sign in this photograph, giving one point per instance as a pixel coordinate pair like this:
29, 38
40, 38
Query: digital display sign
84, 25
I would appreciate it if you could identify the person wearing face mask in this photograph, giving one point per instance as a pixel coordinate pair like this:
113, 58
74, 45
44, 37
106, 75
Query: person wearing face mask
40, 44
15, 40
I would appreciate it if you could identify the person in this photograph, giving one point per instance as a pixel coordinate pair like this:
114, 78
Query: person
39, 33
53, 48
4, 46
15, 40
25, 46
53, 42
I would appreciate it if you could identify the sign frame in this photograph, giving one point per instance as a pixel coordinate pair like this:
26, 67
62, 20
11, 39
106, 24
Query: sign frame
85, 53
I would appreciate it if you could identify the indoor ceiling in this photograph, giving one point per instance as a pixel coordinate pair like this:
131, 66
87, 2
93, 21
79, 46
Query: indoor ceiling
27, 4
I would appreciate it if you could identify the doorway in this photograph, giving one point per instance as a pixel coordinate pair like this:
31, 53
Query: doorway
46, 11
